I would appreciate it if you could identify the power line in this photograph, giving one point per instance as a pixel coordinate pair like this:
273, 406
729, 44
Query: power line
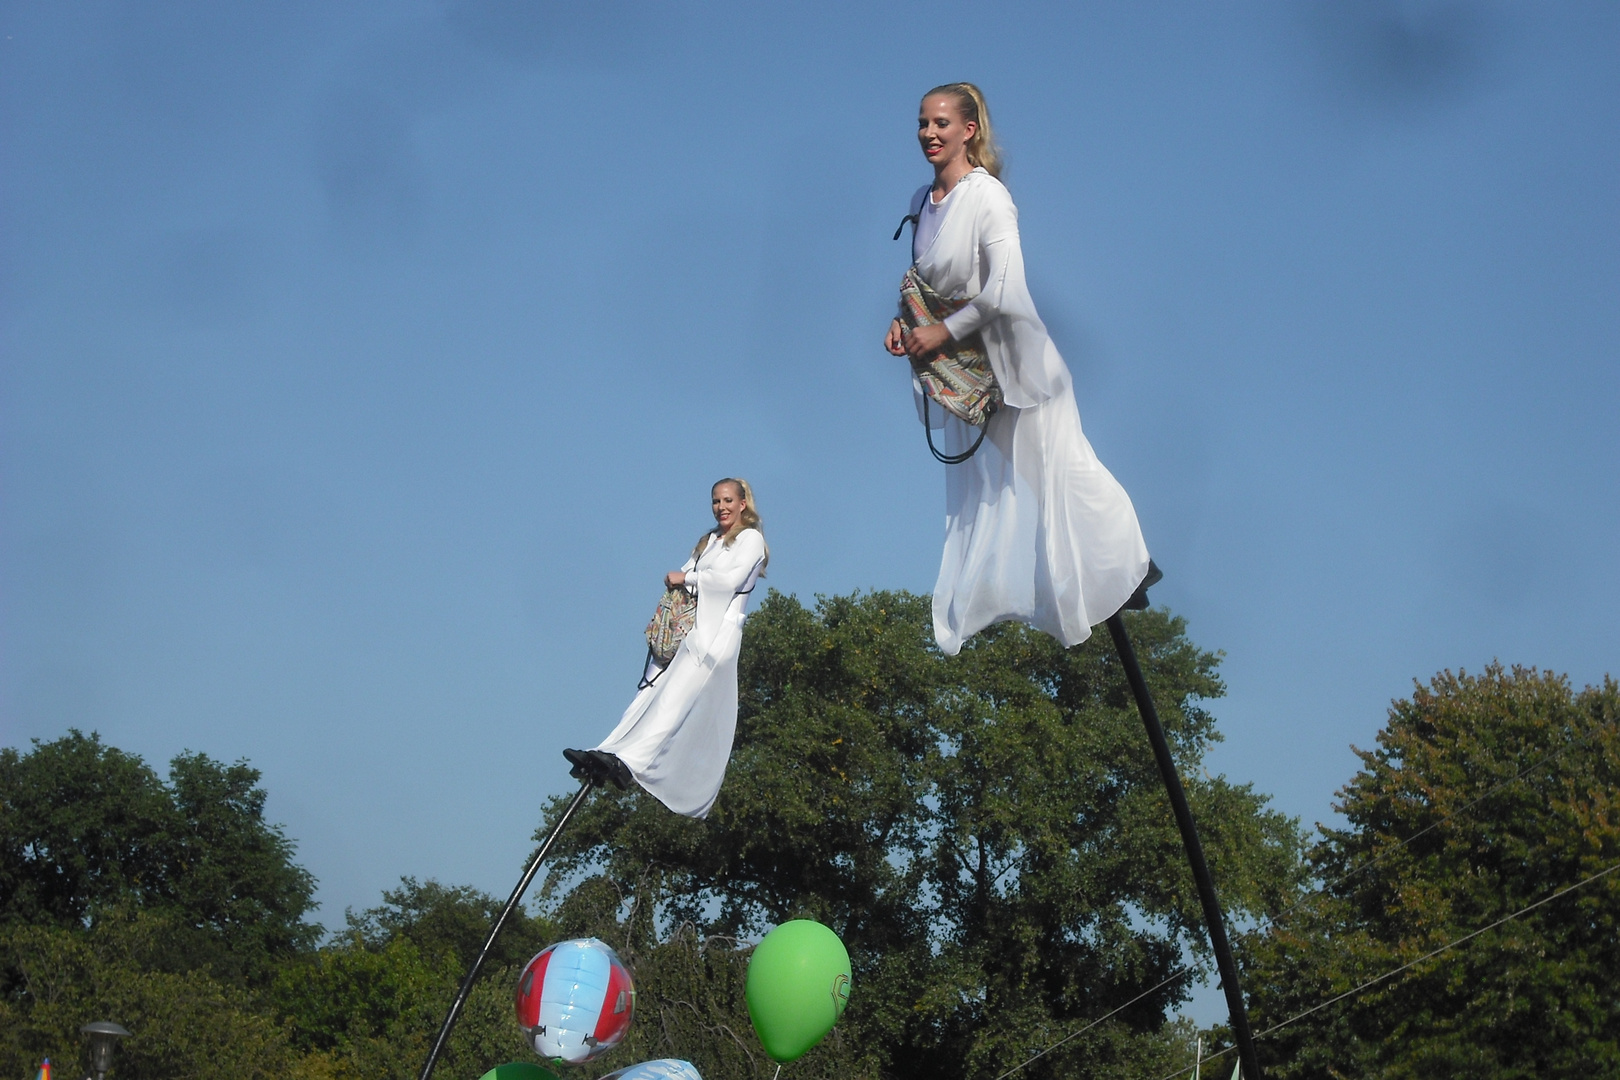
1409, 964
1449, 945
1076, 1034
1341, 879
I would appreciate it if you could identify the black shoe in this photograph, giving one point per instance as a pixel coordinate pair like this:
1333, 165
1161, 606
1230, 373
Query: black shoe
613, 768
586, 768
1139, 598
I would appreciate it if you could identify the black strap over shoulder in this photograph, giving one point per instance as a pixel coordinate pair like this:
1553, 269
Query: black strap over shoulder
915, 219
928, 429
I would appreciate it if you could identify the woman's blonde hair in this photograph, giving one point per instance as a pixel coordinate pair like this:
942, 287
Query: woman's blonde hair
748, 519
981, 149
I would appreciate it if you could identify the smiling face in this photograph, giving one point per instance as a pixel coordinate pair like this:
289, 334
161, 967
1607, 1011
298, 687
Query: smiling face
727, 501
941, 130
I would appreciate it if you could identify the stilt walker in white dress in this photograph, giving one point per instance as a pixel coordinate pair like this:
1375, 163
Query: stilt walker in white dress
675, 738
1036, 529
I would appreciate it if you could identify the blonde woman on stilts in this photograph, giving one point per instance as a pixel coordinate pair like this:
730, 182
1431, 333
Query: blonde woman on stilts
1036, 529
675, 738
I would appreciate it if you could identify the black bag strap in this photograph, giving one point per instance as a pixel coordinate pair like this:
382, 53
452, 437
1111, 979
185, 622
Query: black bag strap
949, 459
928, 429
644, 682
915, 219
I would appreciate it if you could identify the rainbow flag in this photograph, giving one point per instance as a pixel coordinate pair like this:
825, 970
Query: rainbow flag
44, 1071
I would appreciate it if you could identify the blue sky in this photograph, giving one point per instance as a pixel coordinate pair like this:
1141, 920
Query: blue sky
365, 366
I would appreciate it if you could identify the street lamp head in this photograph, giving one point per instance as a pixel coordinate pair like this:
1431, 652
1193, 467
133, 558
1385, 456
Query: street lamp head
103, 1036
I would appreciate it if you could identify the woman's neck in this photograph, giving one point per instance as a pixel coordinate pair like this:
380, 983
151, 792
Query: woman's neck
947, 175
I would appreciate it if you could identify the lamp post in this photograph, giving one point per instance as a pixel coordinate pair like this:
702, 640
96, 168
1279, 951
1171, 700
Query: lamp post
103, 1036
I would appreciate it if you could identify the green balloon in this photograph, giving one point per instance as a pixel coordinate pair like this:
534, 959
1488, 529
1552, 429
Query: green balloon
518, 1070
798, 985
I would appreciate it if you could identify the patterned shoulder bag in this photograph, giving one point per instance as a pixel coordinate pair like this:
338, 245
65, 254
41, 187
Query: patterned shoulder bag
959, 377
671, 622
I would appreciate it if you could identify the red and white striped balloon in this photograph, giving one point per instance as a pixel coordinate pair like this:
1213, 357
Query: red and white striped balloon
575, 1000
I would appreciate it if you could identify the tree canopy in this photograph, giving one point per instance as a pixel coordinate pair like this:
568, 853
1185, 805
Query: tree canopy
987, 833
87, 830
170, 905
370, 1003
1485, 794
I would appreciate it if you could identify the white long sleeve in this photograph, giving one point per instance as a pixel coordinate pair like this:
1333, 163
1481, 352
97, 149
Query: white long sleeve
728, 570
977, 256
1000, 252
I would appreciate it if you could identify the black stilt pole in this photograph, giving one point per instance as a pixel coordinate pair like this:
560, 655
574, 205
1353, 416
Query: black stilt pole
500, 923
1195, 850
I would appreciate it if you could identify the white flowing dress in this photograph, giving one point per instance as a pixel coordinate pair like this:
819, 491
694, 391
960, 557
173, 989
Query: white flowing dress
676, 735
1036, 529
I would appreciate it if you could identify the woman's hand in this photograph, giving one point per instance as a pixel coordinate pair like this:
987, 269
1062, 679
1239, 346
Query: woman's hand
925, 340
674, 579
895, 339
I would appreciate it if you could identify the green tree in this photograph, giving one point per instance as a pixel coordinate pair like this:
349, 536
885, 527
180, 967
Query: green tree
449, 919
175, 908
1536, 997
367, 1010
987, 833
86, 829
165, 905
369, 1004
187, 1023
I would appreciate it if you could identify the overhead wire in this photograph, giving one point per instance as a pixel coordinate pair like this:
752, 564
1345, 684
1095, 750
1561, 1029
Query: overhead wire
1330, 884
1105, 1016
1392, 972
1388, 851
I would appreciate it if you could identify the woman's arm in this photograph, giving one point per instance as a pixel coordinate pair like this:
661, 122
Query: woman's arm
926, 339
1003, 257
676, 578
729, 569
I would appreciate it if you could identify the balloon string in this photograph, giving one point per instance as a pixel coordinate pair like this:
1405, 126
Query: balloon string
778, 1075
